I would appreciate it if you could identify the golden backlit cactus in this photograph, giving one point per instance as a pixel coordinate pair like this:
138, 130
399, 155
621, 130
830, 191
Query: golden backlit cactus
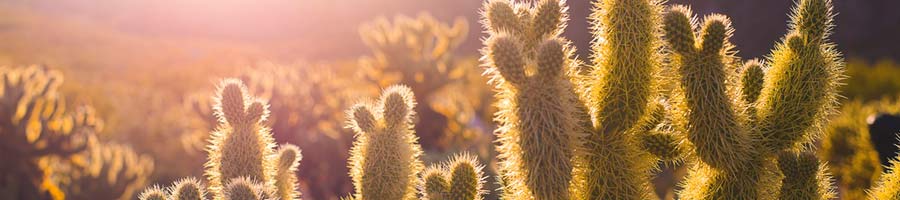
538, 133
153, 193
621, 85
187, 189
285, 178
241, 146
384, 162
36, 125
588, 117
888, 186
736, 135
460, 178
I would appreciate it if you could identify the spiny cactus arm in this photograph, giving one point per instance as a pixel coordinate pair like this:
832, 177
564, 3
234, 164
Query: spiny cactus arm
153, 193
655, 136
804, 177
188, 189
800, 88
436, 186
888, 186
505, 54
625, 61
704, 106
752, 80
289, 157
499, 16
467, 179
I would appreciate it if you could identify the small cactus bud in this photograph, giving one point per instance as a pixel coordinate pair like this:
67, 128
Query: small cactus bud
289, 157
505, 54
466, 178
242, 189
188, 189
153, 193
679, 29
437, 186
752, 80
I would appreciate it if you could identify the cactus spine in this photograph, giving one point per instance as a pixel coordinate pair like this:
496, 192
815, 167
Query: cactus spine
736, 150
538, 133
384, 161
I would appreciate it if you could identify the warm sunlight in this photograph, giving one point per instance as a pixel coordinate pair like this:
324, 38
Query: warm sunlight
449, 99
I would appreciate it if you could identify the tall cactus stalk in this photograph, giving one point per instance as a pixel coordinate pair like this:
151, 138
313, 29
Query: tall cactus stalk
738, 131
619, 89
384, 161
538, 133
571, 132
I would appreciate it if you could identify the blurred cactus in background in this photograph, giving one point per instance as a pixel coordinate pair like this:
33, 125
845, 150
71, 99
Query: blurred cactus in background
419, 52
848, 146
243, 163
35, 125
104, 171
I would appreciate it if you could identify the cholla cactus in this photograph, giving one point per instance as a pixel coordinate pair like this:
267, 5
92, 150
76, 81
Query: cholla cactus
802, 177
187, 189
153, 193
888, 187
384, 161
539, 132
458, 179
104, 171
241, 145
285, 178
242, 161
736, 150
544, 93
35, 125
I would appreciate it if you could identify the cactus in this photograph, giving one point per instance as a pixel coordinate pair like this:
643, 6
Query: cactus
538, 133
241, 145
36, 125
607, 100
104, 171
804, 177
242, 161
153, 193
736, 133
888, 186
384, 161
188, 189
465, 179
285, 180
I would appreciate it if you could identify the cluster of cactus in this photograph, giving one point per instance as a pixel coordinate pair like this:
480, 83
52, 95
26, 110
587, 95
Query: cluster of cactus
385, 159
243, 162
848, 148
104, 171
36, 125
419, 52
307, 104
570, 131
